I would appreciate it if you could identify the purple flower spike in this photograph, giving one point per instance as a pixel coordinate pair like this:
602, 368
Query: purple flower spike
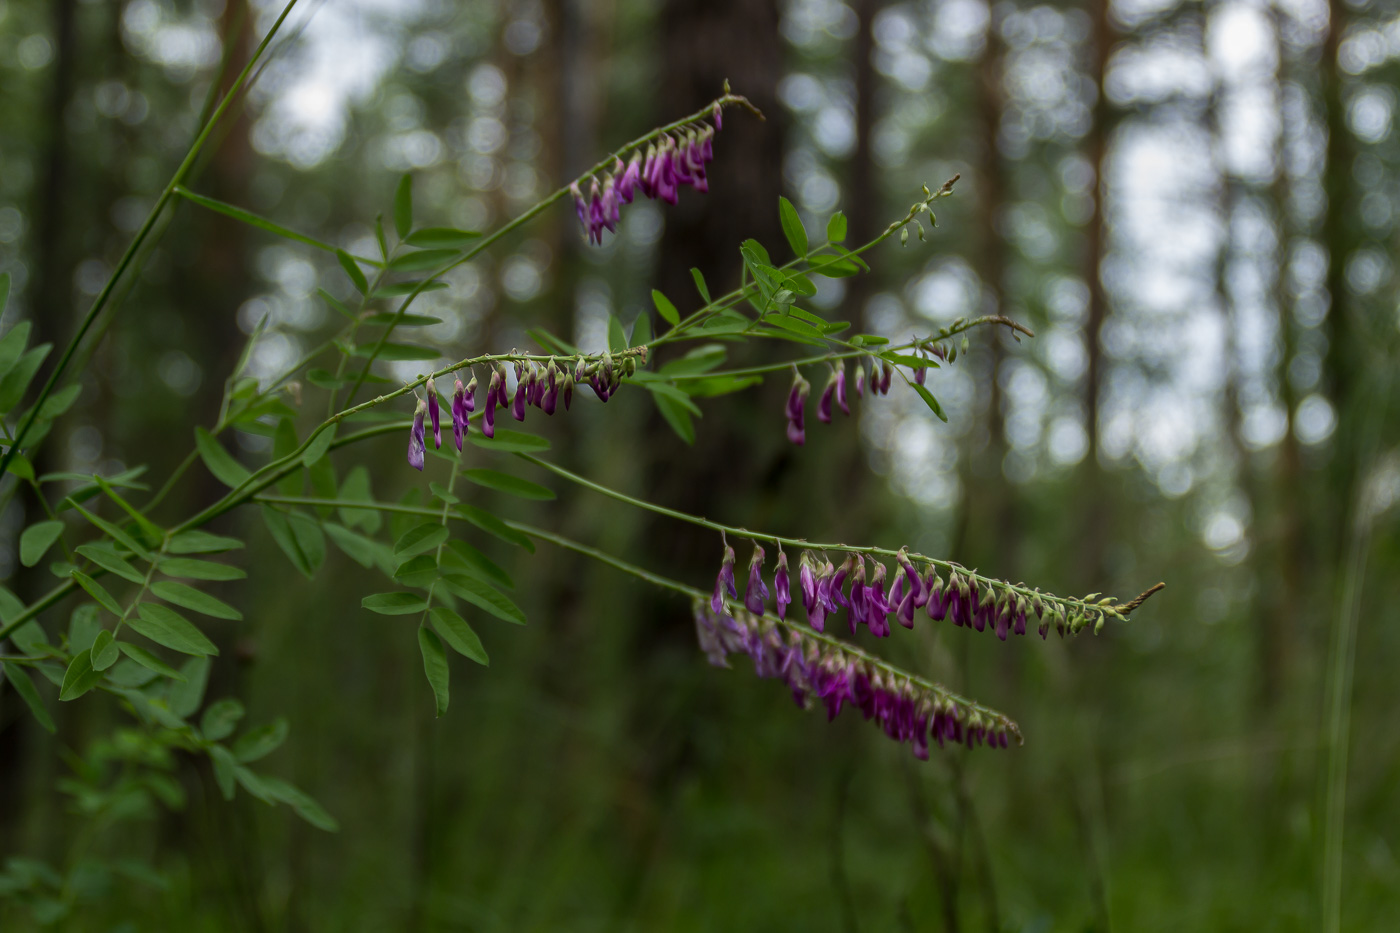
780, 586
756, 593
416, 446
725, 581
841, 390
459, 413
796, 405
434, 414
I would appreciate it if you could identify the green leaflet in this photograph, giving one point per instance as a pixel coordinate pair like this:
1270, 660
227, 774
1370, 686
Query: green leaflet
394, 604
260, 742
19, 679
434, 665
457, 633
220, 462
792, 227
187, 596
505, 482
36, 539
166, 627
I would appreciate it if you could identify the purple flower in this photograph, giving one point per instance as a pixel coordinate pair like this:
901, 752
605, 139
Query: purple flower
580, 205
630, 179
857, 614
725, 581
886, 374
938, 598
824, 403
517, 408
841, 390
860, 380
796, 406
494, 389
920, 374
877, 609
780, 585
756, 593
916, 586
416, 445
461, 408
718, 115
433, 413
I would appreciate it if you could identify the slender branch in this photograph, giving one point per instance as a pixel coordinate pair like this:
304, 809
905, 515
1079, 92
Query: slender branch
660, 581
268, 473
101, 300
872, 351
800, 543
486, 241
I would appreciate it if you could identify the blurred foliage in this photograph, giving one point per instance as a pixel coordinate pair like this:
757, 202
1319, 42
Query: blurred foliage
1192, 205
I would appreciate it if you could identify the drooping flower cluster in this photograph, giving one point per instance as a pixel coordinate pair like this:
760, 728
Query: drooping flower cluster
678, 159
817, 671
542, 386
878, 382
963, 598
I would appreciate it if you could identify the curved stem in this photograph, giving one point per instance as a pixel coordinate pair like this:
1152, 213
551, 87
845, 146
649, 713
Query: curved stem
269, 473
801, 543
541, 207
658, 580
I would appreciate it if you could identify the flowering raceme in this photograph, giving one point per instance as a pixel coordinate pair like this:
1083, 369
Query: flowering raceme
679, 159
965, 600
881, 374
540, 386
821, 671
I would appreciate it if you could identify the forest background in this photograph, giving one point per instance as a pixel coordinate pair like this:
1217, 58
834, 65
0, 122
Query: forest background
1193, 205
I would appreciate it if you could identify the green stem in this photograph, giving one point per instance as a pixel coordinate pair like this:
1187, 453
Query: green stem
1343, 662
914, 344
101, 301
655, 579
269, 473
732, 298
802, 543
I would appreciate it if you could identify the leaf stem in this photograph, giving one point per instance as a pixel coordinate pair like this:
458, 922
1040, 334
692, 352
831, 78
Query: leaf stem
801, 543
665, 583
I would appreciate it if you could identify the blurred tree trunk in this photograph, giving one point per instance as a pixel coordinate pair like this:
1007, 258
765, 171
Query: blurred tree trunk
1096, 509
1339, 237
703, 43
50, 312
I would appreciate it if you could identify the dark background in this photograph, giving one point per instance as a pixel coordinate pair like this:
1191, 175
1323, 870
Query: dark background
1194, 207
